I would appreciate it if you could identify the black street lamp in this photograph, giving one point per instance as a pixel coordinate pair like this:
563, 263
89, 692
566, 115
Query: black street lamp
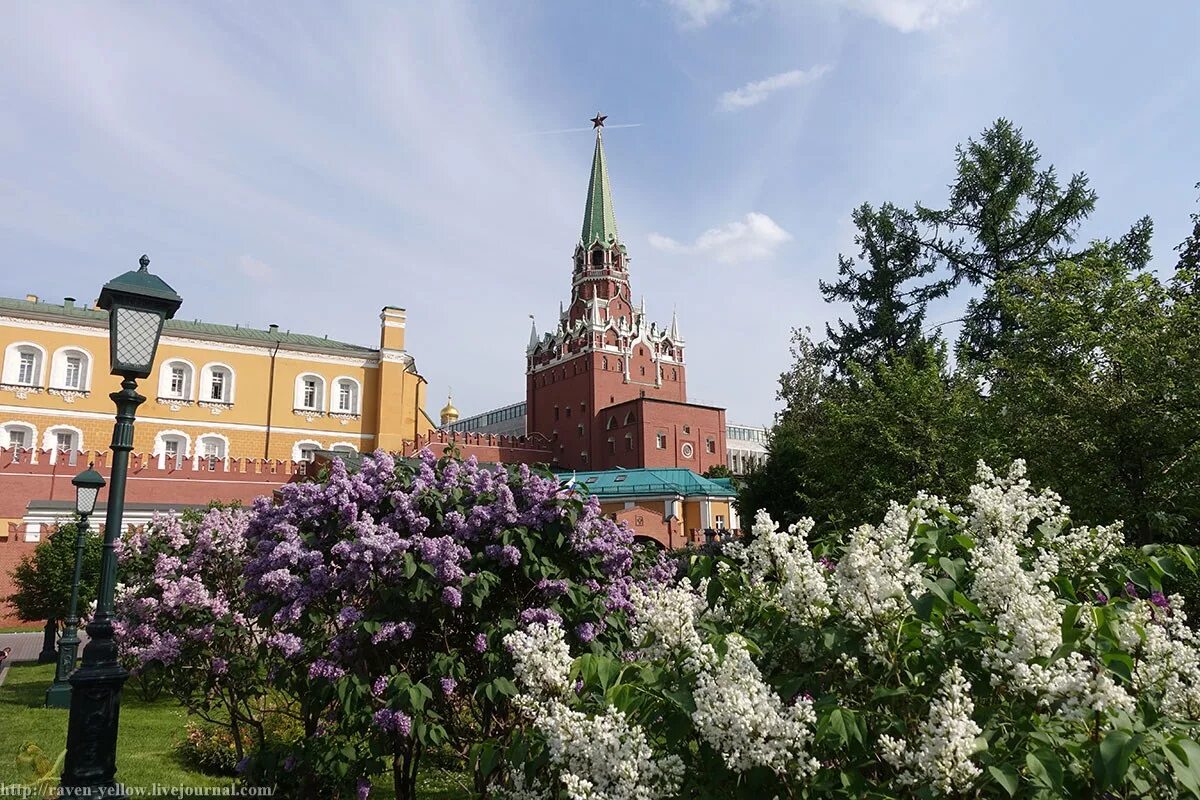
87, 488
137, 303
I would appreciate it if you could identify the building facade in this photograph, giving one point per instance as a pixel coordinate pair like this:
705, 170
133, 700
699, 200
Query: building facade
217, 392
747, 447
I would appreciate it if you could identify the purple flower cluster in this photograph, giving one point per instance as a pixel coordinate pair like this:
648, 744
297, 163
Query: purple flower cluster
392, 721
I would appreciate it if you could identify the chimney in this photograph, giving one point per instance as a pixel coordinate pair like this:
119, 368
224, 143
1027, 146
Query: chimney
31, 298
68, 302
273, 329
391, 328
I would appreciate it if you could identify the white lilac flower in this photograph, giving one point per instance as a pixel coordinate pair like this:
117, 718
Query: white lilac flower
876, 574
1170, 660
664, 619
744, 720
941, 753
541, 659
780, 567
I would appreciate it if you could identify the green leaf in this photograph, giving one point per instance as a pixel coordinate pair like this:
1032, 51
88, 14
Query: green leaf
953, 568
1119, 663
967, 604
1045, 770
1007, 777
1112, 758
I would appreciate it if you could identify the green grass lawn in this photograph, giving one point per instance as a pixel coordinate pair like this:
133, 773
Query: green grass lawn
146, 743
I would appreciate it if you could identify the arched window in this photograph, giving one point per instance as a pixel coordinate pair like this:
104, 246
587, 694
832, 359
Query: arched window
216, 383
71, 368
310, 392
597, 258
628, 442
175, 380
604, 362
172, 447
620, 365
63, 441
345, 396
24, 363
305, 450
344, 447
14, 435
674, 374
212, 446
612, 445
630, 418
612, 423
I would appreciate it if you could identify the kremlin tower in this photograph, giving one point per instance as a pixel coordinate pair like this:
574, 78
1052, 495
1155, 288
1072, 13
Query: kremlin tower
606, 386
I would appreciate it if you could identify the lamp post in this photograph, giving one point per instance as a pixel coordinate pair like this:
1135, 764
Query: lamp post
87, 488
137, 303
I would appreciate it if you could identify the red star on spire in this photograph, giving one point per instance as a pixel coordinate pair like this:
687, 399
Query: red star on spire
598, 121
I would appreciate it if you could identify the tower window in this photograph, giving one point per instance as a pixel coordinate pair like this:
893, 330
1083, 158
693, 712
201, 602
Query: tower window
643, 371
612, 445
581, 431
661, 441
568, 412
556, 413
710, 445
612, 423
628, 441
597, 258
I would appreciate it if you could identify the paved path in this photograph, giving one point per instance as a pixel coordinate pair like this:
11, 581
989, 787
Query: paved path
25, 646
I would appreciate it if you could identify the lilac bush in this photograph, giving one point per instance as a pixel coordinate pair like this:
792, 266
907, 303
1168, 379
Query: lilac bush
369, 609
182, 618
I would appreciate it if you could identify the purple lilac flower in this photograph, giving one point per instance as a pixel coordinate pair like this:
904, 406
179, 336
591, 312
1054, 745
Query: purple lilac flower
448, 686
586, 631
379, 686
1159, 599
389, 631
1101, 598
1130, 589
480, 643
286, 643
289, 763
220, 666
392, 721
531, 615
452, 597
552, 587
507, 555
349, 615
363, 790
827, 562
322, 668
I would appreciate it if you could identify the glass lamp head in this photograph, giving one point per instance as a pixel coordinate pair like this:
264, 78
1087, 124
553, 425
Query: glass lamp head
87, 488
137, 304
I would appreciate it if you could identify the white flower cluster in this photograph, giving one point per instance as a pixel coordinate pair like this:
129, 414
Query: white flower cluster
1170, 661
541, 659
876, 574
605, 757
780, 566
941, 755
741, 718
665, 616
594, 758
1021, 600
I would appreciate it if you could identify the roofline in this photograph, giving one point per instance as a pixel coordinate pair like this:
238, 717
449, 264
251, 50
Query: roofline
665, 401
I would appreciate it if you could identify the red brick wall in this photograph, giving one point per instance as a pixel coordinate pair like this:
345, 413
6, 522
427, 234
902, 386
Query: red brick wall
682, 422
485, 447
32, 476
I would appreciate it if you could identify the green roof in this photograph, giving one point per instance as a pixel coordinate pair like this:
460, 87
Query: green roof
649, 482
191, 330
599, 220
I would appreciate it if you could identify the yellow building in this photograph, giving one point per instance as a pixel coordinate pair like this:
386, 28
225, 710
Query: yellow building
220, 391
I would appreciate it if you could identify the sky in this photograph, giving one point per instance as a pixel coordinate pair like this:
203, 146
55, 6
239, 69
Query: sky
305, 164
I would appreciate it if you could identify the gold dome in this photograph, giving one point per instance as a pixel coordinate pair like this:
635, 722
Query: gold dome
449, 412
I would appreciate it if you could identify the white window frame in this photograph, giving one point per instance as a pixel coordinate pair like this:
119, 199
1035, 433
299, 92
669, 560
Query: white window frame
12, 364
58, 368
335, 397
343, 447
202, 442
206, 379
165, 379
6, 434
160, 447
299, 447
322, 394
50, 441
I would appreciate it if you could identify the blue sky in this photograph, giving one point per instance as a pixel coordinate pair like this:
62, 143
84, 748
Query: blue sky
306, 164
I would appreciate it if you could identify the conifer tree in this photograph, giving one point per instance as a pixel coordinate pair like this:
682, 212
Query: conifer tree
879, 284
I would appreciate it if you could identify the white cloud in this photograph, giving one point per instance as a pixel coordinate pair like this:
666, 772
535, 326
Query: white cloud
698, 13
755, 92
751, 239
907, 16
255, 269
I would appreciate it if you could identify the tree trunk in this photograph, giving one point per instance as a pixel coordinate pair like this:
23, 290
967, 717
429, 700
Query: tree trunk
49, 654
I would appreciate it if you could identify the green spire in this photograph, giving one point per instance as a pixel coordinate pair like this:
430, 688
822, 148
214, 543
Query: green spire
599, 221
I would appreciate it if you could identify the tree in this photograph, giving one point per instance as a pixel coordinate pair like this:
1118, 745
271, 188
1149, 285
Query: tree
1095, 384
1004, 215
43, 578
718, 471
904, 426
889, 310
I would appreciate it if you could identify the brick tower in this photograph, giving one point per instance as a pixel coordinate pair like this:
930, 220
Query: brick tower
606, 385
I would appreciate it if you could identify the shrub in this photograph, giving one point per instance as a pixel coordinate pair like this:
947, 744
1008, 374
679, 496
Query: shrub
988, 650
